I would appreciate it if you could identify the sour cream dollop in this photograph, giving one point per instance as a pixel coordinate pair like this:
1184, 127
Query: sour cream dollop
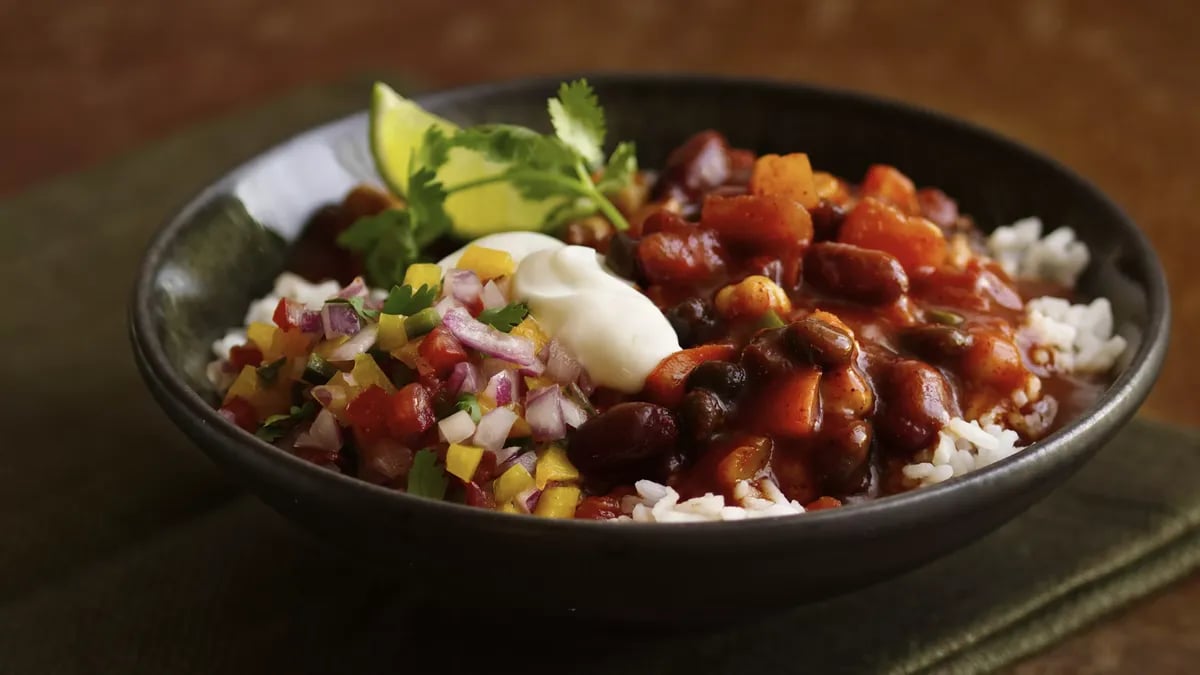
614, 331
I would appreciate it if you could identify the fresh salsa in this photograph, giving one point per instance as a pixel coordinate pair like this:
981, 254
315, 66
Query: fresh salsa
733, 335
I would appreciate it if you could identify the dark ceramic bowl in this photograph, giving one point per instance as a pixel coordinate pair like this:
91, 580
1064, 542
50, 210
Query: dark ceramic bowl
225, 247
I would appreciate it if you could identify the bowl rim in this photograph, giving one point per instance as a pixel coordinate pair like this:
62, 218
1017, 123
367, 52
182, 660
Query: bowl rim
1118, 402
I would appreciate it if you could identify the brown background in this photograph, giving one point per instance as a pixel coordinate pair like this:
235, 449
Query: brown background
1111, 88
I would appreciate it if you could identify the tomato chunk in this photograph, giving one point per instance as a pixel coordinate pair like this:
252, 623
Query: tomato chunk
441, 351
411, 411
680, 258
912, 240
665, 385
243, 413
887, 184
241, 356
368, 411
758, 223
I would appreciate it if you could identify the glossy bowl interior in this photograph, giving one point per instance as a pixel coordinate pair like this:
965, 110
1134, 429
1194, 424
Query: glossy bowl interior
226, 246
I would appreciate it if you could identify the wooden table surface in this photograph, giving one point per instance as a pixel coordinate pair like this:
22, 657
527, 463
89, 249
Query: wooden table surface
1111, 88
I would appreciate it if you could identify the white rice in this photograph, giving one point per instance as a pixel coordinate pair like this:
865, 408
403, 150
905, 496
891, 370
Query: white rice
963, 447
655, 503
287, 285
1024, 254
1072, 338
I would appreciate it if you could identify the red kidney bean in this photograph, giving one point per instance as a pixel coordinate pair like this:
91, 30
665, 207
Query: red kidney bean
700, 164
936, 342
937, 207
860, 274
915, 402
701, 415
623, 438
819, 343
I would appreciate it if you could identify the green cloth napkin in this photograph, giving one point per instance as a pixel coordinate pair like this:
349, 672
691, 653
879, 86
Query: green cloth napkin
122, 550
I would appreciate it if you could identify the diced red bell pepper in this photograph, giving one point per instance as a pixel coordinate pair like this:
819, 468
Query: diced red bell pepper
598, 508
244, 414
473, 495
411, 411
368, 412
665, 384
441, 351
241, 356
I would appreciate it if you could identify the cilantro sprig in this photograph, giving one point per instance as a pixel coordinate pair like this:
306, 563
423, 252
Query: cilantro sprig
505, 318
404, 300
274, 427
558, 166
426, 478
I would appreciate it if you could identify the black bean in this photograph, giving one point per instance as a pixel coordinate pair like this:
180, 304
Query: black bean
701, 415
693, 321
819, 342
622, 257
767, 354
724, 378
936, 342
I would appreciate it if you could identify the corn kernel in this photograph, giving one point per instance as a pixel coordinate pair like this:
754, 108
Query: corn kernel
752, 297
488, 263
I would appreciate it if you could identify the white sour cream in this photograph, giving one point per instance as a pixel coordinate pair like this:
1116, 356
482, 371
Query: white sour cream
614, 331
518, 245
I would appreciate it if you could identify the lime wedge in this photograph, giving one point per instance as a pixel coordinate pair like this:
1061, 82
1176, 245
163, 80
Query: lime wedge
397, 128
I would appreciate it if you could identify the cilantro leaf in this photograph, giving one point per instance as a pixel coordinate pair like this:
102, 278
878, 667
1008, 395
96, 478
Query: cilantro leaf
426, 478
388, 243
621, 168
435, 149
270, 372
274, 427
470, 405
568, 211
518, 146
404, 300
428, 219
359, 305
578, 120
505, 318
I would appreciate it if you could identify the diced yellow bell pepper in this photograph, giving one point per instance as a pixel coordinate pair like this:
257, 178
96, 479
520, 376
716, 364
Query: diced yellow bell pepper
391, 332
558, 502
423, 274
488, 263
266, 399
408, 353
508, 507
532, 382
520, 428
531, 330
462, 460
290, 343
326, 347
511, 483
553, 465
366, 373
262, 335
342, 393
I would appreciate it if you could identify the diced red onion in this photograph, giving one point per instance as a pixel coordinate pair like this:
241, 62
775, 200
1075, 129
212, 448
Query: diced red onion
307, 320
462, 285
356, 289
560, 365
359, 344
463, 379
492, 296
445, 305
494, 427
585, 383
488, 340
228, 415
534, 369
573, 415
456, 428
505, 458
502, 387
338, 319
543, 412
323, 434
527, 500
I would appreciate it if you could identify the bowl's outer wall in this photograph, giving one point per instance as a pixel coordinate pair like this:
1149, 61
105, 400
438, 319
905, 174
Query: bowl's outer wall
225, 248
